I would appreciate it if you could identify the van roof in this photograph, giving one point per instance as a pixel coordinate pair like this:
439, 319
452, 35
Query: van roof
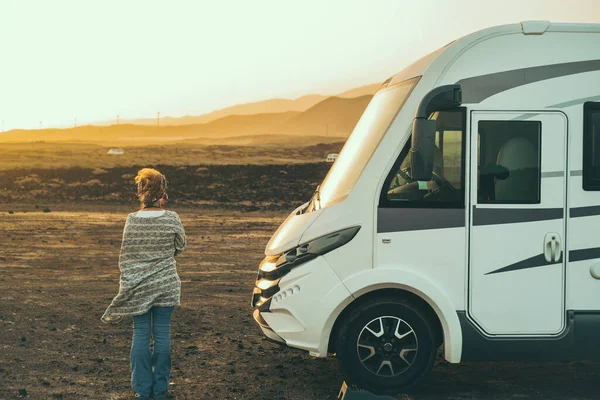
525, 27
541, 27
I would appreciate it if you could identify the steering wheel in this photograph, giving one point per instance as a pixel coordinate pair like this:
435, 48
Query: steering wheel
439, 180
404, 175
443, 188
411, 190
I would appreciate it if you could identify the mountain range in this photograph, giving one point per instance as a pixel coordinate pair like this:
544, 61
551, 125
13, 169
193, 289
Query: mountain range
317, 118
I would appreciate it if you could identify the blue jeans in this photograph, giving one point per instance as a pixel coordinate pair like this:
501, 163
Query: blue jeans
150, 370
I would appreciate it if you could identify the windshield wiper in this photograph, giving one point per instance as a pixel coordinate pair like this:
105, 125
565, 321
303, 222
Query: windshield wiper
312, 203
317, 195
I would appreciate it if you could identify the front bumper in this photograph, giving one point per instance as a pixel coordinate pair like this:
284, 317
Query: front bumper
303, 308
265, 328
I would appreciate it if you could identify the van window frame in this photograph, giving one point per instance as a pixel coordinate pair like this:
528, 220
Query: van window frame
590, 182
384, 202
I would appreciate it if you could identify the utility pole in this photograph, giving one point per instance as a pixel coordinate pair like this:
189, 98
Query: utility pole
158, 118
75, 124
41, 124
117, 119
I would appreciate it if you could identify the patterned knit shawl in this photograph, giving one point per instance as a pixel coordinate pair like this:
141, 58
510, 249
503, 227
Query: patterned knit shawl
148, 268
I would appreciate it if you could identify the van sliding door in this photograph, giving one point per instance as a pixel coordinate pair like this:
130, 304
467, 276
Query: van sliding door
517, 222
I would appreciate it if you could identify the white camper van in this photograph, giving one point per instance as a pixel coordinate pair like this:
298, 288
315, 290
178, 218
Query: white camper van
464, 211
331, 157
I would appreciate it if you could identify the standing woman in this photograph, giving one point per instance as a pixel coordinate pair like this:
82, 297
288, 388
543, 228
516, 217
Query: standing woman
149, 287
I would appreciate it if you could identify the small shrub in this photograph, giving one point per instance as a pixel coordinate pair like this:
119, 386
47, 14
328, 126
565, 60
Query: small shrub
28, 180
99, 171
93, 182
46, 210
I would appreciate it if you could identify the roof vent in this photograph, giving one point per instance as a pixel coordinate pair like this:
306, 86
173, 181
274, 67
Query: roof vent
534, 27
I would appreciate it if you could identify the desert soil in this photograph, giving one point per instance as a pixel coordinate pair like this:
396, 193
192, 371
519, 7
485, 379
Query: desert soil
59, 272
236, 187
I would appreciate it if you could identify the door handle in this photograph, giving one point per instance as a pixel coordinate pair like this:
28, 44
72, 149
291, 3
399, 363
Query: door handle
552, 247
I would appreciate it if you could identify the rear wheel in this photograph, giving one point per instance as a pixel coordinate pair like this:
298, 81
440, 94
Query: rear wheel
386, 345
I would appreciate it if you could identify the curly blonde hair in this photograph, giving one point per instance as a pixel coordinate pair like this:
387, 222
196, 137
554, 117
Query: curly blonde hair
151, 188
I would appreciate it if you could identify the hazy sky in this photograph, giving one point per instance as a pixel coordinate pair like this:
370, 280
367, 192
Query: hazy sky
96, 59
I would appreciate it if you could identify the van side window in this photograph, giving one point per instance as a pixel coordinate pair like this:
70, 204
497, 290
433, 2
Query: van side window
446, 188
591, 146
509, 162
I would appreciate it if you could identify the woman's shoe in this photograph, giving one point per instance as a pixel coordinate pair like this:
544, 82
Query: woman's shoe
140, 397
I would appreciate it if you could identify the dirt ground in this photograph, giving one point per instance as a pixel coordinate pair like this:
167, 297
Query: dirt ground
41, 155
59, 272
280, 187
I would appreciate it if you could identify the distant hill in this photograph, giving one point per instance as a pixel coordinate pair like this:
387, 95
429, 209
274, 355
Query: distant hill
259, 107
268, 140
334, 116
360, 91
244, 124
314, 116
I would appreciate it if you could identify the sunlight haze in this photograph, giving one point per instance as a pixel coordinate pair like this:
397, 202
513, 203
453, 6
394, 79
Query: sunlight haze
63, 60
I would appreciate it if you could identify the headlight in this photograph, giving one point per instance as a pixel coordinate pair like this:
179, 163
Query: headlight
268, 266
274, 267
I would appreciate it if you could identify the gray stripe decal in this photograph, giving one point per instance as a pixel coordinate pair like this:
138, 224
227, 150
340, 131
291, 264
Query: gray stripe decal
577, 212
584, 254
525, 116
574, 102
415, 219
553, 174
497, 216
540, 260
566, 104
478, 88
532, 262
577, 172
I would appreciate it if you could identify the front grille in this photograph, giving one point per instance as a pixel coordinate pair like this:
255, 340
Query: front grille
259, 301
270, 272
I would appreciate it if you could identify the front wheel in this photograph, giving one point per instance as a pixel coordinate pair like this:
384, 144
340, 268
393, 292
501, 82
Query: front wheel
386, 345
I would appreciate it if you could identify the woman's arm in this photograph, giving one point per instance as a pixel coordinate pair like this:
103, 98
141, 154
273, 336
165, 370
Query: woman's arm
180, 241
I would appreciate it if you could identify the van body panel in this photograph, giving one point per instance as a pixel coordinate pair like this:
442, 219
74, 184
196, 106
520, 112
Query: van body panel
349, 259
290, 232
304, 309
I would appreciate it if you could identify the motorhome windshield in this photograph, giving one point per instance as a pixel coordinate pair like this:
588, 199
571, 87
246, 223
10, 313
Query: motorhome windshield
363, 141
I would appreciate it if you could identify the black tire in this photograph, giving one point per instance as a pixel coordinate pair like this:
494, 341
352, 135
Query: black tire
396, 318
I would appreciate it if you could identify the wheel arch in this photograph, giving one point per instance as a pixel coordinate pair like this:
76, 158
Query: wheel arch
387, 292
411, 286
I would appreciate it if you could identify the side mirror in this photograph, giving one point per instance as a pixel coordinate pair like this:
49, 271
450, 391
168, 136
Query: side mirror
423, 133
